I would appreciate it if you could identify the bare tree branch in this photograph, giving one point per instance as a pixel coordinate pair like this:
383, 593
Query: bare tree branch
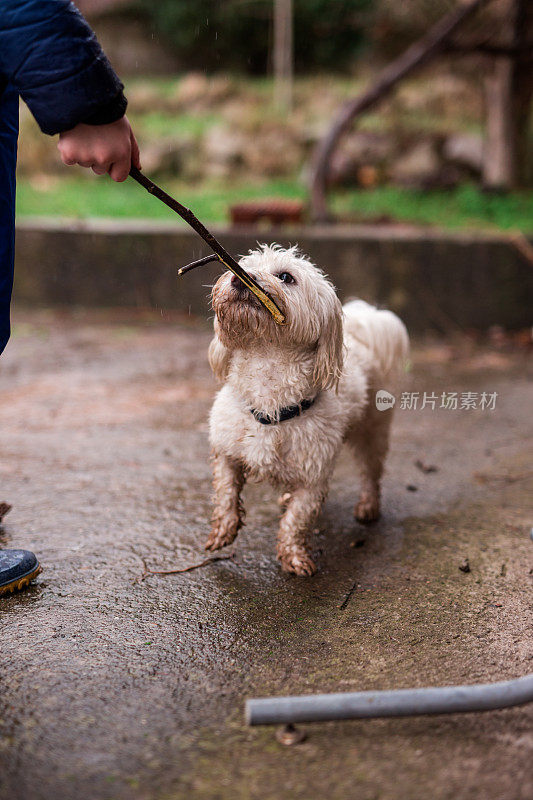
147, 571
417, 54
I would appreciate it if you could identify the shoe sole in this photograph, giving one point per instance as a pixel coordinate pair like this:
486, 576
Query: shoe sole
20, 583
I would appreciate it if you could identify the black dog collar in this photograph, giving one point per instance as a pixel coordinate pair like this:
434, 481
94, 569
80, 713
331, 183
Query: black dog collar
283, 414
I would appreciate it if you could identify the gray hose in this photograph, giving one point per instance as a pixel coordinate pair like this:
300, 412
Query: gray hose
399, 703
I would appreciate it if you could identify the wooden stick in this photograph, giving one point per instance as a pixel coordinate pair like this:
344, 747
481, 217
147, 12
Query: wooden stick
223, 255
148, 571
199, 263
348, 596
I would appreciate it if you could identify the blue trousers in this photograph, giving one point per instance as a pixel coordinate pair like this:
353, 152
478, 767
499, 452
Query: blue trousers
9, 122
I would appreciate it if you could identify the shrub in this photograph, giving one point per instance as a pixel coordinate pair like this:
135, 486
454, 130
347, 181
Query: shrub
237, 34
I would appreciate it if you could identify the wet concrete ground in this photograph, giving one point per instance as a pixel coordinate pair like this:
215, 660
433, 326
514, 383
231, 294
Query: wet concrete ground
115, 689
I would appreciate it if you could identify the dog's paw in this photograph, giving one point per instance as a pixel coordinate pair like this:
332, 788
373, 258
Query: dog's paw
298, 561
367, 510
222, 533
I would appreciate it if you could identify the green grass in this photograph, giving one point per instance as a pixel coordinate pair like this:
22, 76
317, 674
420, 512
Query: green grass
157, 124
461, 208
86, 197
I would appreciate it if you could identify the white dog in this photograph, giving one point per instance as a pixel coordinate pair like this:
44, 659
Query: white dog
294, 393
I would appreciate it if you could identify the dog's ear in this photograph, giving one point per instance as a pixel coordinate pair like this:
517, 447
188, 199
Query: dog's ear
219, 357
329, 357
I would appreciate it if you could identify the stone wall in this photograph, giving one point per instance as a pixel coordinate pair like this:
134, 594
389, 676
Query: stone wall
433, 280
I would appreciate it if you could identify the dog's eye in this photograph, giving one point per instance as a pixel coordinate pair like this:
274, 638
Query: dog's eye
286, 277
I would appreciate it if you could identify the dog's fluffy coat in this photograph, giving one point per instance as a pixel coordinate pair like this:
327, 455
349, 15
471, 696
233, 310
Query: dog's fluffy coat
339, 355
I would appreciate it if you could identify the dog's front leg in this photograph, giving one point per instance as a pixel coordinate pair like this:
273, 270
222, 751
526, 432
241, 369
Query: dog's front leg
228, 514
302, 510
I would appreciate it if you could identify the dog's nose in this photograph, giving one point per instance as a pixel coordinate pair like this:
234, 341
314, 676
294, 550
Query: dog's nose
238, 284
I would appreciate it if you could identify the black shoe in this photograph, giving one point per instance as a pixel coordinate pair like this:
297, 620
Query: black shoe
17, 569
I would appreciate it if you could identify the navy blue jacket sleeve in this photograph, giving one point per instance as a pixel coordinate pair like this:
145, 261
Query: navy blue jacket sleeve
51, 56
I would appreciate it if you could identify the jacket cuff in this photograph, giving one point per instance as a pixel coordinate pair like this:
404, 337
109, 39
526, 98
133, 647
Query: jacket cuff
108, 112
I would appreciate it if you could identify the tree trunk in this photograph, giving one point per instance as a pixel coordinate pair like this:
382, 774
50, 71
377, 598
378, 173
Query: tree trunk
283, 54
507, 161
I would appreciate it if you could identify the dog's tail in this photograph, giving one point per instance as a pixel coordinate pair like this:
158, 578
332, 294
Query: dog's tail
382, 333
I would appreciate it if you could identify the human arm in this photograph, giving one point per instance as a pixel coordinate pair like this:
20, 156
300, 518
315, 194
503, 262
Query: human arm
51, 56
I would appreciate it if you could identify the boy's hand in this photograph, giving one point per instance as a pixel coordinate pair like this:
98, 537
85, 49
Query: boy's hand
105, 148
